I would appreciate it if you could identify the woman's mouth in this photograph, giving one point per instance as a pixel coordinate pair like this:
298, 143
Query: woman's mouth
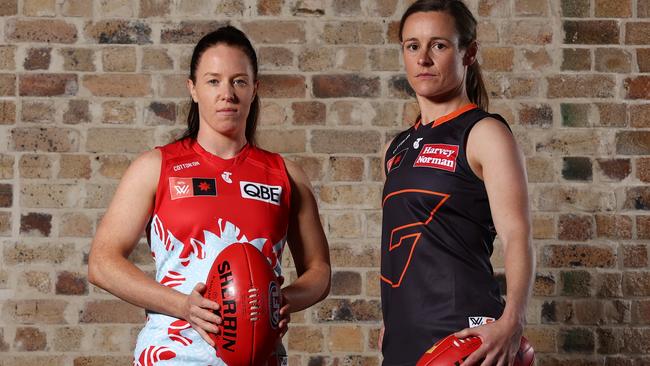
425, 75
227, 111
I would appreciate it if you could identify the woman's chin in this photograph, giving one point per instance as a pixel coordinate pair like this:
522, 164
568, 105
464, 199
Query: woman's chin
426, 91
436, 95
230, 128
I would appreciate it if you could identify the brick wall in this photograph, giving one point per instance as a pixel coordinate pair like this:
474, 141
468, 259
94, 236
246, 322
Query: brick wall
87, 85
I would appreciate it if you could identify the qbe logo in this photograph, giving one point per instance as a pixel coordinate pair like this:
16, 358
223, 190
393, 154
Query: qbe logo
261, 192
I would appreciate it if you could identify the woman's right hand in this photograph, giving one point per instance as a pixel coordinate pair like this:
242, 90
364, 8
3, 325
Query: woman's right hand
199, 312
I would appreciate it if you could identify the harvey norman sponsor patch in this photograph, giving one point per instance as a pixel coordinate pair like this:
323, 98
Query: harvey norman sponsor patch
438, 156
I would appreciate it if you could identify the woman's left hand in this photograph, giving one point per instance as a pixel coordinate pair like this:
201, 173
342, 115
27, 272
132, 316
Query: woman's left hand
285, 310
285, 316
500, 342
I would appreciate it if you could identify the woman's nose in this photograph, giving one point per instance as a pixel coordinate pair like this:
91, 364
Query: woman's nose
424, 59
227, 92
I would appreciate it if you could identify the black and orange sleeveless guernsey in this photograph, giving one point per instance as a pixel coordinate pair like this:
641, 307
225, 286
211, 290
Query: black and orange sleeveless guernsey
437, 234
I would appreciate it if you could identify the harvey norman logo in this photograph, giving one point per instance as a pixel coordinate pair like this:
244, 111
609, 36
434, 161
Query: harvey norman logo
438, 156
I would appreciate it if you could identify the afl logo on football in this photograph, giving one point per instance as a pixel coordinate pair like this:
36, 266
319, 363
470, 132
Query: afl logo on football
274, 304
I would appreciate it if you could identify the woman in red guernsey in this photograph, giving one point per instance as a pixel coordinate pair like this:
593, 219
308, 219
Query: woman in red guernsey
211, 188
454, 180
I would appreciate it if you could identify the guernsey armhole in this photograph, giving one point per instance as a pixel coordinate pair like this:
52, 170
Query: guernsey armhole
469, 129
287, 182
158, 195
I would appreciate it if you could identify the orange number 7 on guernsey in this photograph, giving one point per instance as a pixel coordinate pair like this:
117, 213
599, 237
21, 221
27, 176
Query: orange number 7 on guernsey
404, 238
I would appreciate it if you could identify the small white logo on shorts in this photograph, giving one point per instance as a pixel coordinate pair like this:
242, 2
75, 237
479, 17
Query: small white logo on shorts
476, 321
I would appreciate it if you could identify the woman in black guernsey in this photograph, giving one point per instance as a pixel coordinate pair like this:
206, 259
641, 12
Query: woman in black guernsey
454, 180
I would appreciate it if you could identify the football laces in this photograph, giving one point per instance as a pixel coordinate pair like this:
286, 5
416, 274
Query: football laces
253, 304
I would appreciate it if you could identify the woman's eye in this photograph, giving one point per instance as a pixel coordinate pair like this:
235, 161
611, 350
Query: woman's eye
240, 82
412, 47
438, 46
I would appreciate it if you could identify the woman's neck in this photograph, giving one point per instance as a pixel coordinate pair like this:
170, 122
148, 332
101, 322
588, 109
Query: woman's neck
430, 109
223, 146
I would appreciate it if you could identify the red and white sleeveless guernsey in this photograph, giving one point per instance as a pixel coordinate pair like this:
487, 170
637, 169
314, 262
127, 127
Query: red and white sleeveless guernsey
203, 204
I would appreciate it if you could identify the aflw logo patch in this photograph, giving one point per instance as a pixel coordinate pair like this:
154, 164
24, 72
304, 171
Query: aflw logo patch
438, 156
261, 192
475, 321
191, 187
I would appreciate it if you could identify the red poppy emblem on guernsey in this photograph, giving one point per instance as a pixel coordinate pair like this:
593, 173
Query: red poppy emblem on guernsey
438, 156
191, 187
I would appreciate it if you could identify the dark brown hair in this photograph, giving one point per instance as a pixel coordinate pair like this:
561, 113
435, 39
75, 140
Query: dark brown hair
466, 29
230, 36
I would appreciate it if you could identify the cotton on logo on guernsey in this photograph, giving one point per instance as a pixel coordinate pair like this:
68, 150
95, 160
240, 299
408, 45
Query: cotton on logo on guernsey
182, 166
438, 156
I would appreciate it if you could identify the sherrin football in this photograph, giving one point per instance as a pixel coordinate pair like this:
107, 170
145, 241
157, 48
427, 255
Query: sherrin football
242, 282
451, 351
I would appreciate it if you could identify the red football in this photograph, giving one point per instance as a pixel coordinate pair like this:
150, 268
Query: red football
242, 282
451, 351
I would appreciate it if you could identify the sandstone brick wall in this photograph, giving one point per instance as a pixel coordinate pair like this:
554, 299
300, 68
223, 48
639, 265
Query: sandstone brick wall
86, 85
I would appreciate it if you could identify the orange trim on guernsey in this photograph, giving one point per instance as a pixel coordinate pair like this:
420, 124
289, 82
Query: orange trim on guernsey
392, 246
454, 114
448, 117
413, 190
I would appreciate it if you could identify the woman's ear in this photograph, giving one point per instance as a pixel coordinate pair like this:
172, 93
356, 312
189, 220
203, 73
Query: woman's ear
470, 54
190, 88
